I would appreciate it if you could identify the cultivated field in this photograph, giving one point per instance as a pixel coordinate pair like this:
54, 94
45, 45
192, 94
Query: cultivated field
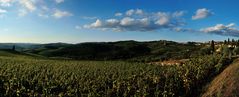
23, 75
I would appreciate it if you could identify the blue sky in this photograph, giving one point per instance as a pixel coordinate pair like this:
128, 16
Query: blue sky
74, 21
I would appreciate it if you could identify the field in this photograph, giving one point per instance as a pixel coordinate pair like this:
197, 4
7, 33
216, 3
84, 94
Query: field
24, 75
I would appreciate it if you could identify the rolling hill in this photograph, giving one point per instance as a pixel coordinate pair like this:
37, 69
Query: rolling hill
132, 50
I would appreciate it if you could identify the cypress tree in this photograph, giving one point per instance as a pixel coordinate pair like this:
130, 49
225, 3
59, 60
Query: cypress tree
13, 47
213, 45
228, 41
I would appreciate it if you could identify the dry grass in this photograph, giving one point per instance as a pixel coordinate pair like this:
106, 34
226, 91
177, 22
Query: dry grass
226, 84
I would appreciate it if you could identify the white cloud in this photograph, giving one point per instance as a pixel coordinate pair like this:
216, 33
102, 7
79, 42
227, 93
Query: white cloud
138, 22
97, 24
45, 8
202, 13
2, 11
60, 14
144, 21
178, 13
118, 14
130, 12
5, 3
37, 7
163, 19
22, 12
134, 12
28, 4
112, 22
43, 15
44, 11
78, 27
59, 1
220, 29
89, 18
180, 29
139, 11
127, 21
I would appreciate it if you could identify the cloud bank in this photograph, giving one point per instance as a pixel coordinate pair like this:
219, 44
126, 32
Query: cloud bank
220, 29
38, 7
5, 3
139, 20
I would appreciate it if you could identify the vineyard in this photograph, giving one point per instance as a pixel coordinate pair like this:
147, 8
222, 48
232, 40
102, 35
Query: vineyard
22, 75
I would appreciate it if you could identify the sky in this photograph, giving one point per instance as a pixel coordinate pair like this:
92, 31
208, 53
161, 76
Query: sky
76, 21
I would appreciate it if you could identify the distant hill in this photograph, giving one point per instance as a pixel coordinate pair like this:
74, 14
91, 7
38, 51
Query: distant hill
28, 46
132, 50
19, 46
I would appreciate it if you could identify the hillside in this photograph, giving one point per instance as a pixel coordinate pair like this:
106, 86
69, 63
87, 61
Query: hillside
17, 54
226, 84
10, 53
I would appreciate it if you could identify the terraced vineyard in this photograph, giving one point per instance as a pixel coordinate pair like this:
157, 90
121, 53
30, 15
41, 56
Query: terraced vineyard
22, 75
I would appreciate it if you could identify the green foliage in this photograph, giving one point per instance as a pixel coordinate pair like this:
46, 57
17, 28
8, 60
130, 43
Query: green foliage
206, 50
227, 52
222, 63
236, 51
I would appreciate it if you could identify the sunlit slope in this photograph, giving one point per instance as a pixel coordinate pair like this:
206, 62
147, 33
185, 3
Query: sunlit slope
16, 54
226, 84
10, 53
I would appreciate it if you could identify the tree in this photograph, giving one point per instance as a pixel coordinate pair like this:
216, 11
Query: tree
205, 50
227, 52
233, 41
164, 42
213, 46
225, 41
228, 41
13, 47
237, 42
236, 50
